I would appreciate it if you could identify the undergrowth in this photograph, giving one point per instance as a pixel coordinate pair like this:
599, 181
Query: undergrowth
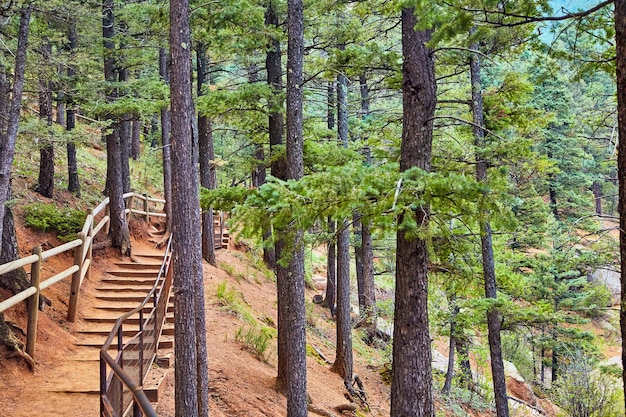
256, 339
65, 222
232, 301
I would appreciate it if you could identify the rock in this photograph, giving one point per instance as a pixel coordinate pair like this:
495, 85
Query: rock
510, 370
440, 362
611, 279
319, 282
615, 360
517, 387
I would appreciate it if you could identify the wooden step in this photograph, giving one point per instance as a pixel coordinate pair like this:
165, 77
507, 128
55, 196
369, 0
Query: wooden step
140, 265
125, 306
149, 255
124, 297
134, 273
128, 329
153, 385
140, 289
94, 341
111, 317
139, 281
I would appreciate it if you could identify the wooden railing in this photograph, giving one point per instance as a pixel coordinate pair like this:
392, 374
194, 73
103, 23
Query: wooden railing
122, 388
82, 247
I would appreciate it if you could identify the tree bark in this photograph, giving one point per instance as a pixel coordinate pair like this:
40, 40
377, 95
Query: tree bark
331, 270
465, 368
620, 70
119, 231
273, 64
343, 360
125, 132
454, 311
7, 143
45, 182
17, 280
135, 148
166, 132
367, 286
412, 354
290, 265
489, 273
73, 183
190, 337
597, 196
331, 261
206, 155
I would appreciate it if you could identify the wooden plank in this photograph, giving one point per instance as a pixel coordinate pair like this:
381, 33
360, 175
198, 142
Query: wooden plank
12, 266
17, 298
60, 249
58, 277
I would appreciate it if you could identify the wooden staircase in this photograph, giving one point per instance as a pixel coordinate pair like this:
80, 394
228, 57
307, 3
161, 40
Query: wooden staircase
119, 291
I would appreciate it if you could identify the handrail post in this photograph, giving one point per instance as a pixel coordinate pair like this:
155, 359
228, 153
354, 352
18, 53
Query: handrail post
78, 260
103, 383
107, 212
90, 250
222, 229
145, 208
129, 207
33, 304
141, 346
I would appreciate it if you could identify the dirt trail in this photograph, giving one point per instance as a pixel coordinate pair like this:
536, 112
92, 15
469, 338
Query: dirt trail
241, 384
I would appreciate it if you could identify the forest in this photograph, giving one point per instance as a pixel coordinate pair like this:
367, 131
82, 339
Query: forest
458, 163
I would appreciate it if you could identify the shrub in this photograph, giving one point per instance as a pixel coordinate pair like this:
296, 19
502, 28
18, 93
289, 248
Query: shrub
583, 391
65, 222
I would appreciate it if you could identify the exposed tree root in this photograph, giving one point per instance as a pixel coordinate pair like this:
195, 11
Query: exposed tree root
163, 240
16, 347
320, 411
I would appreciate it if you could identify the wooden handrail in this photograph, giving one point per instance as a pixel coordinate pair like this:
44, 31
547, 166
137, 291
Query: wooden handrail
159, 294
82, 247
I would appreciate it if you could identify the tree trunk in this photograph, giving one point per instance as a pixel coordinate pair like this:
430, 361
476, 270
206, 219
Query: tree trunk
343, 360
412, 372
290, 255
45, 182
206, 155
73, 184
7, 143
489, 273
331, 271
454, 311
135, 148
358, 258
166, 132
190, 337
17, 280
597, 195
125, 132
331, 261
119, 231
367, 287
275, 119
465, 368
620, 69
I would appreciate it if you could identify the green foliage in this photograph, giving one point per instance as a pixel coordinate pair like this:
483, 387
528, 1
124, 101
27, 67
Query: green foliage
233, 302
65, 222
256, 339
582, 391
